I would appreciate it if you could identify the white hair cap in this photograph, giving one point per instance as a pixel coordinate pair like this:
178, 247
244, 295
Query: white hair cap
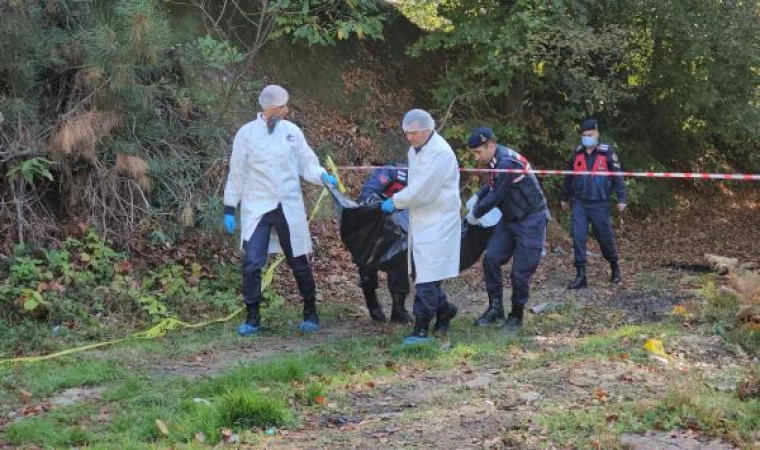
418, 120
273, 96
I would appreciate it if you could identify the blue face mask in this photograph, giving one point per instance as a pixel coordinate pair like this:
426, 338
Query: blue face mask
588, 141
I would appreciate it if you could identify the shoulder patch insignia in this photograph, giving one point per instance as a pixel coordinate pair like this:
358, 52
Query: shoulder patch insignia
603, 147
614, 157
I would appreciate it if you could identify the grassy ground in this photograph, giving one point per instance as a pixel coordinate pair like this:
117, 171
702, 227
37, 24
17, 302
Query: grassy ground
577, 377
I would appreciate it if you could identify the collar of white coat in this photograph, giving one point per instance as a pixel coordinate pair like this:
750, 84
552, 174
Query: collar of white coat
418, 149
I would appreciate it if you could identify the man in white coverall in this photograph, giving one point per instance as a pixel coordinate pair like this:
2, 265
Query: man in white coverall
269, 156
432, 198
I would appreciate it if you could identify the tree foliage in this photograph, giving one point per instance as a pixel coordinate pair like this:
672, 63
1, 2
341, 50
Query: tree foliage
327, 21
679, 78
137, 113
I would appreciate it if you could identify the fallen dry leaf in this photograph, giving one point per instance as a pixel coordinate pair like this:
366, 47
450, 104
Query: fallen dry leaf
162, 427
600, 394
25, 396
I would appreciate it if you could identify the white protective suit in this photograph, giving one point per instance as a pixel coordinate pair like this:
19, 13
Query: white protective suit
265, 169
432, 198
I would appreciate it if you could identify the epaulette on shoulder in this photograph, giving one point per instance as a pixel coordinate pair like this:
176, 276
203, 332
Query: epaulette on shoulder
603, 147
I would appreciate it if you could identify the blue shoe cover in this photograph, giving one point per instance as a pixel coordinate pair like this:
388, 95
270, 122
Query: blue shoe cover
247, 329
308, 326
413, 340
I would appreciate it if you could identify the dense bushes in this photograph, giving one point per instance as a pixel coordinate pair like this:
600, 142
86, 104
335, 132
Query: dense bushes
84, 281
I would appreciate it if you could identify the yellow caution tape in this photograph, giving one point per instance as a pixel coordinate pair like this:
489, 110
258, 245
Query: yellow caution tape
172, 323
655, 347
334, 170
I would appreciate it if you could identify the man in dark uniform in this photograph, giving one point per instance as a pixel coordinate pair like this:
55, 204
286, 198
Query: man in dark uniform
519, 235
383, 183
591, 200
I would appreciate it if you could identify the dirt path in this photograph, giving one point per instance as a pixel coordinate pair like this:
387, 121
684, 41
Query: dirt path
519, 396
500, 403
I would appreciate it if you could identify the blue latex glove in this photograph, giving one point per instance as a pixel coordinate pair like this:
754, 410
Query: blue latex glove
229, 223
329, 179
387, 206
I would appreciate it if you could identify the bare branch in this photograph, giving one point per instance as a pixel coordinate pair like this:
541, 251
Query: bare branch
447, 115
18, 154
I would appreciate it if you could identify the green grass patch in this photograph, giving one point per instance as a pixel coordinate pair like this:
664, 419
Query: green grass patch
558, 317
747, 336
582, 428
47, 377
257, 395
315, 393
136, 416
247, 408
424, 351
688, 406
46, 433
280, 370
628, 339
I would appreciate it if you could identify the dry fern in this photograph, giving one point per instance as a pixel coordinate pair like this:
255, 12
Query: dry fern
135, 168
80, 134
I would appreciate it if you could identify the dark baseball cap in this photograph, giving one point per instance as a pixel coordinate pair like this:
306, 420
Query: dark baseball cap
480, 136
589, 124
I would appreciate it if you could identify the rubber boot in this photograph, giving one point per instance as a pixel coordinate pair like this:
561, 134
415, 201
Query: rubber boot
375, 310
252, 322
419, 332
580, 279
443, 317
615, 276
494, 312
310, 322
399, 314
514, 320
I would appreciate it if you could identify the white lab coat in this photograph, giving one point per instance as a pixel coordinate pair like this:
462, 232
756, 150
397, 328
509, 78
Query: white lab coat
432, 198
265, 169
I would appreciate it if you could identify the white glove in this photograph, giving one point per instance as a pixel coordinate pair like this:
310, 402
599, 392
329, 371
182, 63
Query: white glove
470, 205
470, 217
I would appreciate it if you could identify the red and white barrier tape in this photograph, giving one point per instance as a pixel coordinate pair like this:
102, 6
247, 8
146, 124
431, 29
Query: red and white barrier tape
687, 175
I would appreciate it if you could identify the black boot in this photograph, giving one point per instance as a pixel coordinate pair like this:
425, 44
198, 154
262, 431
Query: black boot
615, 276
310, 322
580, 279
252, 322
494, 312
514, 320
399, 313
420, 332
444, 316
375, 310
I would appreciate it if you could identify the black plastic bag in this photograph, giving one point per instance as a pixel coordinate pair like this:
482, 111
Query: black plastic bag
372, 237
474, 242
